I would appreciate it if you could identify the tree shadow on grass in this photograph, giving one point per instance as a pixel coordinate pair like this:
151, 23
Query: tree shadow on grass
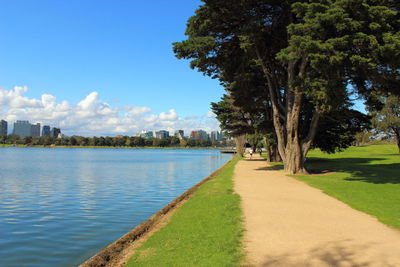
359, 168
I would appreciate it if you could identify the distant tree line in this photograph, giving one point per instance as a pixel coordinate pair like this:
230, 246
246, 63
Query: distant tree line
108, 141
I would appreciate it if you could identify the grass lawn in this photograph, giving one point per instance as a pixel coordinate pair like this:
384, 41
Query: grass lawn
366, 178
205, 231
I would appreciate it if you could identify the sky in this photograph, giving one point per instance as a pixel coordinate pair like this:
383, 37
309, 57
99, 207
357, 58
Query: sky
96, 67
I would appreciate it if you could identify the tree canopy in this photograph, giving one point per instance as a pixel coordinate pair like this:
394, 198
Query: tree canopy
387, 119
302, 60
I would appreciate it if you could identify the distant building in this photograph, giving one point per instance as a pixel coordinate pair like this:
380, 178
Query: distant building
203, 135
199, 135
46, 130
179, 134
215, 136
54, 132
3, 128
162, 134
146, 134
194, 135
22, 128
35, 130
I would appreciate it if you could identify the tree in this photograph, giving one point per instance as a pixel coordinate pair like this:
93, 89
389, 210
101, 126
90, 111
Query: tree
233, 120
338, 130
191, 142
174, 141
388, 118
309, 52
73, 141
183, 142
362, 137
245, 116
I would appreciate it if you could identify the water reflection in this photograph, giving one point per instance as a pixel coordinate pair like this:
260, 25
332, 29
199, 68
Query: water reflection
60, 206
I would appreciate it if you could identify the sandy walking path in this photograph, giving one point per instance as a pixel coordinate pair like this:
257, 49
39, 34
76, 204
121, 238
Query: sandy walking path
289, 223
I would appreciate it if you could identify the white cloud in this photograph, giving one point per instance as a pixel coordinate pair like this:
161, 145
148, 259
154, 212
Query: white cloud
135, 111
91, 116
15, 98
210, 114
168, 116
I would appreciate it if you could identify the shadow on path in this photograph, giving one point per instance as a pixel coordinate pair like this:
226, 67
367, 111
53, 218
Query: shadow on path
271, 168
343, 253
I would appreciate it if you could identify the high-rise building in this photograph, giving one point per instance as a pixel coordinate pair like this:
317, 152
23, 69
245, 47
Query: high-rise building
35, 130
146, 134
54, 132
215, 136
22, 128
222, 135
203, 135
162, 134
3, 128
179, 134
199, 135
46, 130
194, 135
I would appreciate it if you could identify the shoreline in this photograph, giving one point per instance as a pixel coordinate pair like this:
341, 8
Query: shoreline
114, 252
108, 147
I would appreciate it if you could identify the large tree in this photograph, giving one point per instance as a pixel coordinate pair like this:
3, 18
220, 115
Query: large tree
309, 52
387, 119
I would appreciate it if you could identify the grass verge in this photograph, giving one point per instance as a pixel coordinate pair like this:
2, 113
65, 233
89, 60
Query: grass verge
366, 178
205, 231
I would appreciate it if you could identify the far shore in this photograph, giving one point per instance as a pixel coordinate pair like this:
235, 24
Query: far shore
111, 147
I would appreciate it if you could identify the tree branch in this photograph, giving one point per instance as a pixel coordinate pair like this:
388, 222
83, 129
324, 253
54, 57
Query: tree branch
279, 129
306, 142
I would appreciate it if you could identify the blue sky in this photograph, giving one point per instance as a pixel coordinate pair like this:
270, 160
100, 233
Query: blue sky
95, 67
121, 49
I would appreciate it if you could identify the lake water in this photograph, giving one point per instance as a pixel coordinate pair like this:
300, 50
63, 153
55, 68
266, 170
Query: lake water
58, 207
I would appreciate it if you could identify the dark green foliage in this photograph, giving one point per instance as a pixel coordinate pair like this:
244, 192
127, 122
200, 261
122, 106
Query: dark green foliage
119, 141
337, 130
292, 63
387, 119
354, 41
233, 120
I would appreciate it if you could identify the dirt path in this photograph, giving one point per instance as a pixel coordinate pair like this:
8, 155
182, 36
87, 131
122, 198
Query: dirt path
289, 223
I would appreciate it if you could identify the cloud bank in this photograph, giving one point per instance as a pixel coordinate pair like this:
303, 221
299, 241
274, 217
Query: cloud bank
93, 117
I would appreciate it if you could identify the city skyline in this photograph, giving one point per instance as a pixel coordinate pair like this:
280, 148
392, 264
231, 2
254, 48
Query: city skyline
24, 128
92, 116
83, 72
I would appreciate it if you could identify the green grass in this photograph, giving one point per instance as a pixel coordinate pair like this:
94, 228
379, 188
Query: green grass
366, 178
205, 231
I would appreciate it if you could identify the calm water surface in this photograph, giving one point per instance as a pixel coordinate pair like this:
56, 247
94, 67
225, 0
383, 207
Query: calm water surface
58, 207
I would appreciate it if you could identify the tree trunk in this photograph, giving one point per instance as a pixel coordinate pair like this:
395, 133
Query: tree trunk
294, 158
286, 120
398, 139
268, 149
240, 141
275, 157
398, 143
